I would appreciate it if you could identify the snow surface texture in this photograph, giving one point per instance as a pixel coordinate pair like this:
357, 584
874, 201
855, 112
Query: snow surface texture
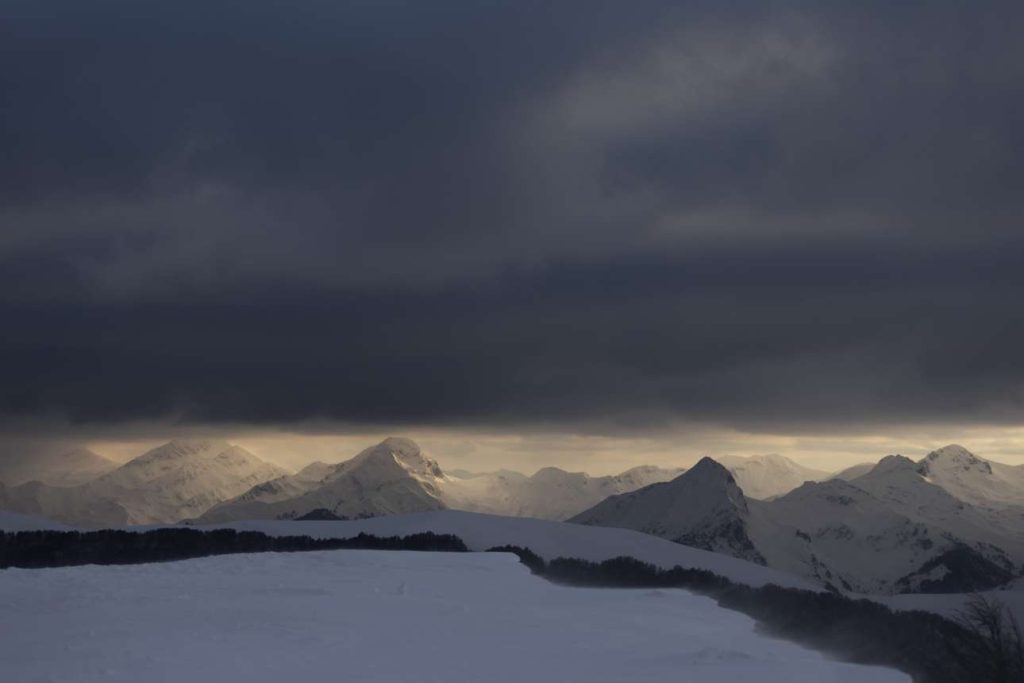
378, 616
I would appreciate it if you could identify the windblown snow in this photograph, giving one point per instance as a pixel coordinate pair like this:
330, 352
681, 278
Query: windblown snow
378, 617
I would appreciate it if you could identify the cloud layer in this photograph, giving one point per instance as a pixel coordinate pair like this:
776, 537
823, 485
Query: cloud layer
603, 216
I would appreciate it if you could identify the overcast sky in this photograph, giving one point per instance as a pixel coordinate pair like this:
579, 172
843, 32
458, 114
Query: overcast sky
700, 226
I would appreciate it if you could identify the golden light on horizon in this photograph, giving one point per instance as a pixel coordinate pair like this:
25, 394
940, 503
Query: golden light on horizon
599, 454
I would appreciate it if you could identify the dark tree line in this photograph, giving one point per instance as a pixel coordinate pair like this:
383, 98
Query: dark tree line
34, 549
983, 646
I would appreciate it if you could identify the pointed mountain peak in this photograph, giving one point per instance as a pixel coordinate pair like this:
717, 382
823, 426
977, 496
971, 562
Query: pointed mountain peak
711, 478
404, 452
708, 469
703, 508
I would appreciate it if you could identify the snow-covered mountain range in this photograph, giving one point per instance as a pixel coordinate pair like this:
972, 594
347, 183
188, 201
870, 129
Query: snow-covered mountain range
392, 477
395, 476
894, 528
951, 521
187, 479
179, 480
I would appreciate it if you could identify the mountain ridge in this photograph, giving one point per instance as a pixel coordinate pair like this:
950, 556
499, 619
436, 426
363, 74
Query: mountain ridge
888, 530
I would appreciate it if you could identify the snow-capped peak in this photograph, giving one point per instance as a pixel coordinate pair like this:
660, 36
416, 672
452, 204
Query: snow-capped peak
973, 479
702, 507
183, 448
400, 445
953, 450
954, 456
395, 450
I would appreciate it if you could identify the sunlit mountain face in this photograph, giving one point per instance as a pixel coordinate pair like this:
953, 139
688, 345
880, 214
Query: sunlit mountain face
729, 287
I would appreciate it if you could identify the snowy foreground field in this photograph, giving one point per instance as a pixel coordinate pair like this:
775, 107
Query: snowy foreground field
376, 616
554, 539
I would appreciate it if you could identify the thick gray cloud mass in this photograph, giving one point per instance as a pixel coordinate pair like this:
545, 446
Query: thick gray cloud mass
511, 213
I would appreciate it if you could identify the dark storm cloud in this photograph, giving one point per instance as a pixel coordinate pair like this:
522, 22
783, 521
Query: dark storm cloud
511, 213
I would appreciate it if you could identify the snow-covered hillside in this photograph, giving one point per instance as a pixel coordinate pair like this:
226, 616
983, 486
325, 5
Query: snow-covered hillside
973, 479
889, 530
841, 535
392, 477
179, 480
767, 476
282, 488
703, 508
378, 616
904, 486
